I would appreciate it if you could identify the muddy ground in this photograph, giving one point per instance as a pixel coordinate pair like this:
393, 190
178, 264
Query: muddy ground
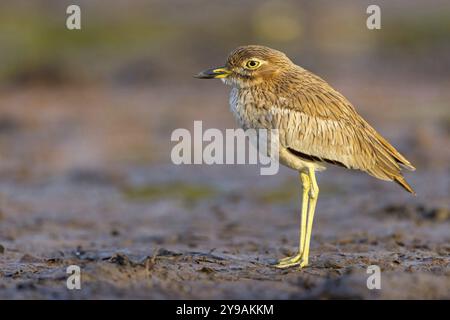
85, 179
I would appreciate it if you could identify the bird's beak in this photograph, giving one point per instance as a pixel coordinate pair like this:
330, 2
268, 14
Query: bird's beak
214, 73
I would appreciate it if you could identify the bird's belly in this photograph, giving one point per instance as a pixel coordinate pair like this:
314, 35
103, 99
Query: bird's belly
292, 161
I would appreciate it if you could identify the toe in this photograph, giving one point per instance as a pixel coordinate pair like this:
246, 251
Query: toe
289, 262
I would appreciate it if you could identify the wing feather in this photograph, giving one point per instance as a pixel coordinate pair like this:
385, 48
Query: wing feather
322, 124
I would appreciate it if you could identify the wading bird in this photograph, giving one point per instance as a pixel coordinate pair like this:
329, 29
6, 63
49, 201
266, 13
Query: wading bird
316, 124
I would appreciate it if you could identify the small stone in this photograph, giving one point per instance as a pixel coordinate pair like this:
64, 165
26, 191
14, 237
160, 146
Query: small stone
207, 270
121, 260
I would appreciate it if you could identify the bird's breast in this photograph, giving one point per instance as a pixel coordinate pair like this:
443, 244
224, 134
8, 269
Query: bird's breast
250, 109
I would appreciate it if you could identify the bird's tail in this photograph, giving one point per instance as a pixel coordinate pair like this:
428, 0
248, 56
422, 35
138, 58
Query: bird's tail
401, 160
402, 182
388, 162
394, 153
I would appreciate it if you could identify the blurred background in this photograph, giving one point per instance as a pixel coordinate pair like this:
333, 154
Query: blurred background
114, 91
86, 118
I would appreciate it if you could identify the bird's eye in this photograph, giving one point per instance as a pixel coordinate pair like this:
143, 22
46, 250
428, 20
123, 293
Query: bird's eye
252, 64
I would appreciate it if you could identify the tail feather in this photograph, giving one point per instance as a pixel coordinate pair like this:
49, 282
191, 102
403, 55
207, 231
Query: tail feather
389, 162
402, 182
395, 154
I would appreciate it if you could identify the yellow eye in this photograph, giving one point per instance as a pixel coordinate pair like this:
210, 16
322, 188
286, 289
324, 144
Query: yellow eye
252, 64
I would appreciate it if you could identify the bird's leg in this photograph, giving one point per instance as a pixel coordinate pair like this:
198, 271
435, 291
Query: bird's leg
295, 260
313, 195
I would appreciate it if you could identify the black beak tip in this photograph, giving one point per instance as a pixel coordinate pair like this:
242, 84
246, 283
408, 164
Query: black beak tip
203, 75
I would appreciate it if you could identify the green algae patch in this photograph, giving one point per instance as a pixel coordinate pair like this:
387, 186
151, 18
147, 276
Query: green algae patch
284, 193
190, 193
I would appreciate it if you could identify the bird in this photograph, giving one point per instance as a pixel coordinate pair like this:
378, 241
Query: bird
317, 126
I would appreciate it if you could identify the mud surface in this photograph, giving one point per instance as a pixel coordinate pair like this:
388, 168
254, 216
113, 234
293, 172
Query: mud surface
85, 180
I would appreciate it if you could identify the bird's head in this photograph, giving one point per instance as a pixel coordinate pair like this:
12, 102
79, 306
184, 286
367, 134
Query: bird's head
250, 65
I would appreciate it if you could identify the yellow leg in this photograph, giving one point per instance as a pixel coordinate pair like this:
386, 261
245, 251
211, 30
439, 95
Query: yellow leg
295, 260
314, 194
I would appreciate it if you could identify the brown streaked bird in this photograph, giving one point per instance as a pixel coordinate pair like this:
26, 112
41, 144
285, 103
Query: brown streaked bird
316, 124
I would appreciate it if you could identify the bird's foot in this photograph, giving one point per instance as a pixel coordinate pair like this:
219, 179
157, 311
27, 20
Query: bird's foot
293, 261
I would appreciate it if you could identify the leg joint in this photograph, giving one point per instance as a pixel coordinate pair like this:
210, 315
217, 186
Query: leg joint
306, 181
314, 191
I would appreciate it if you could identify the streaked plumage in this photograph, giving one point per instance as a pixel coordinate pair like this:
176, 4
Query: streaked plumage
317, 125
315, 121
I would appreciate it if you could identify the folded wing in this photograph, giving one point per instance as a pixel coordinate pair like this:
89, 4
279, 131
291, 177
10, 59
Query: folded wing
318, 122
